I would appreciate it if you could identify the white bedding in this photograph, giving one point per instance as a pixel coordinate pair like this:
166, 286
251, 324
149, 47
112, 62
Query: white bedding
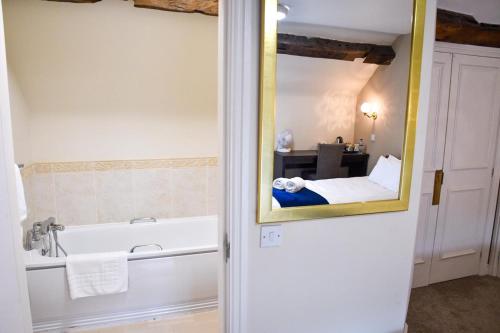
347, 190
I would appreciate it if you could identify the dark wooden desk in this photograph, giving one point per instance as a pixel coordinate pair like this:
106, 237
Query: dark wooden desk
298, 163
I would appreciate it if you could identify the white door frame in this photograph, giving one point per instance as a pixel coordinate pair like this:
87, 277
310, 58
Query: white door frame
490, 266
15, 313
237, 60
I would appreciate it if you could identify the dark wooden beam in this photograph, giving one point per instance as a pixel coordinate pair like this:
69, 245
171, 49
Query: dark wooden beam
460, 28
334, 49
207, 7
76, 1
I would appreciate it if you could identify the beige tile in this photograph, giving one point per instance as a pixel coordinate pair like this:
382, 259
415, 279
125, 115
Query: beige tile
151, 180
189, 191
212, 190
74, 182
152, 204
152, 192
115, 207
75, 198
113, 181
115, 200
76, 209
42, 201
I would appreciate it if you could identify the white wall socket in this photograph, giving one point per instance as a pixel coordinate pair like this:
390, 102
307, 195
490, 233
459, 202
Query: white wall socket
271, 235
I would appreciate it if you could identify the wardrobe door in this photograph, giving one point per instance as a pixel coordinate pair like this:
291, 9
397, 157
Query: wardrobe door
471, 137
433, 160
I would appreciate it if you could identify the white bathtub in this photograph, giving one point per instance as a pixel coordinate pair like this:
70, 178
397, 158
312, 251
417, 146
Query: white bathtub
181, 277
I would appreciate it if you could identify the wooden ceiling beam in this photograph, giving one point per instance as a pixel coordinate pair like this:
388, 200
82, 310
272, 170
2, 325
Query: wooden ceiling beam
334, 49
458, 28
207, 7
76, 1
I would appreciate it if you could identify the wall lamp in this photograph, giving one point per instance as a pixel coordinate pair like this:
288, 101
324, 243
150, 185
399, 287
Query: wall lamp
282, 11
370, 110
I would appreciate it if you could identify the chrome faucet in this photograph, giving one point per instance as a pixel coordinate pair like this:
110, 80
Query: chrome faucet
142, 220
42, 235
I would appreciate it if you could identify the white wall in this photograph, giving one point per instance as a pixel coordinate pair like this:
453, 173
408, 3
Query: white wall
485, 11
109, 81
20, 122
346, 275
316, 98
388, 88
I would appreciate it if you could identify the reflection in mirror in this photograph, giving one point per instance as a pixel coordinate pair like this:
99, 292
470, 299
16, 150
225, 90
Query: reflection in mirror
341, 100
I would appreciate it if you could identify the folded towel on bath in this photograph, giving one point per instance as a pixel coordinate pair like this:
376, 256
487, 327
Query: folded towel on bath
279, 183
21, 199
295, 184
97, 274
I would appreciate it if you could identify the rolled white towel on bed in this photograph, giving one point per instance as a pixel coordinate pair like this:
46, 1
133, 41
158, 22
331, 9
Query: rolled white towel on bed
279, 183
295, 184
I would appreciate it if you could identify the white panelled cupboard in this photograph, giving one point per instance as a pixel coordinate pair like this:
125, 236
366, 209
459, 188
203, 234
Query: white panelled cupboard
456, 214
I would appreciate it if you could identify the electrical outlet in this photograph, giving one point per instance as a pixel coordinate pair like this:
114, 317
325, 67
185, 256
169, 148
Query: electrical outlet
271, 235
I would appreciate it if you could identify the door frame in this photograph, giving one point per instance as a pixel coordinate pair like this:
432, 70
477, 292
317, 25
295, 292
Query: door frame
238, 84
488, 266
15, 314
232, 61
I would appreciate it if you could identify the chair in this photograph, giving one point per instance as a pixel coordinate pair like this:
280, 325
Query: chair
329, 161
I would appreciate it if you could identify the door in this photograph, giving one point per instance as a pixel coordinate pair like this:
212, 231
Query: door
14, 303
471, 136
433, 160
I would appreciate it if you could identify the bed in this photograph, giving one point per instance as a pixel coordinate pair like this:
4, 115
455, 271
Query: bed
347, 190
382, 184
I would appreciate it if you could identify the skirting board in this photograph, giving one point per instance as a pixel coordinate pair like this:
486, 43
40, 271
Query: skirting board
123, 317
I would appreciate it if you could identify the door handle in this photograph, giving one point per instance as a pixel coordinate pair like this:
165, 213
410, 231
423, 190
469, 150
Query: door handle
438, 182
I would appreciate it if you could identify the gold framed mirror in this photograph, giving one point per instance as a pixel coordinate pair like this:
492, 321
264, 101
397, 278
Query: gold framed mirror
339, 88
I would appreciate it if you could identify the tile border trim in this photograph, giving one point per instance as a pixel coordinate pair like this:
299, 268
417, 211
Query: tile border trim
60, 167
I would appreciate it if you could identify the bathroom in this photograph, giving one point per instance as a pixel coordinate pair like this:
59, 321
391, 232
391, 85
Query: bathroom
125, 163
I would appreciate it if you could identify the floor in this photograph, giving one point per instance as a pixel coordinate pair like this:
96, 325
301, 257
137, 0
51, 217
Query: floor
469, 305
200, 322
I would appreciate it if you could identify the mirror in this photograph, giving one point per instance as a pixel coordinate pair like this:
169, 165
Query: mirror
339, 97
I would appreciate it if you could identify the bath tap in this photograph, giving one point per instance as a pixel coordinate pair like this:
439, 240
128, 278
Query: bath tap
142, 220
40, 237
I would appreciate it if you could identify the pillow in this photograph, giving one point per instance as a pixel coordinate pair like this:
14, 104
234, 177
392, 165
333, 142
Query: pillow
394, 159
386, 173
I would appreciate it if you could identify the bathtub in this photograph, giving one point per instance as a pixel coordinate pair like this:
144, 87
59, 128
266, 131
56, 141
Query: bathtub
180, 277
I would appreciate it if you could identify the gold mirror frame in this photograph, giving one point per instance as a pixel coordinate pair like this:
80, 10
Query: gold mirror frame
268, 57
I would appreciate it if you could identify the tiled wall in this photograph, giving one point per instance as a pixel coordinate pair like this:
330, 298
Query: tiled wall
79, 193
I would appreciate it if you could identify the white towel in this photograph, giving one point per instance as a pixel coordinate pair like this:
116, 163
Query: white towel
295, 184
279, 183
97, 274
21, 199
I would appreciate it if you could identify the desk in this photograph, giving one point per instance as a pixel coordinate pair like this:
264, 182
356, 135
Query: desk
294, 163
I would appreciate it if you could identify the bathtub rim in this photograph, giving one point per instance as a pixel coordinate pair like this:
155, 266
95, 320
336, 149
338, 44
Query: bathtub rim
166, 220
60, 262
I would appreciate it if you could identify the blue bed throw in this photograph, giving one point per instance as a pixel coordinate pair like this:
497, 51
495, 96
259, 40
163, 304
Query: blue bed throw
304, 197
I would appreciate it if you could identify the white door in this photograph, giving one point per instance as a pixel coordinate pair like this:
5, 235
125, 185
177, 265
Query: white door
433, 160
471, 136
14, 303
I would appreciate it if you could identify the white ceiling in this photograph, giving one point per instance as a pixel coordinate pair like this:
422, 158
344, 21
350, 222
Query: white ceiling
486, 11
386, 16
351, 35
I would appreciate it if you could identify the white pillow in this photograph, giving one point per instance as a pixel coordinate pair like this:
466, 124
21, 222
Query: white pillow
394, 159
386, 173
